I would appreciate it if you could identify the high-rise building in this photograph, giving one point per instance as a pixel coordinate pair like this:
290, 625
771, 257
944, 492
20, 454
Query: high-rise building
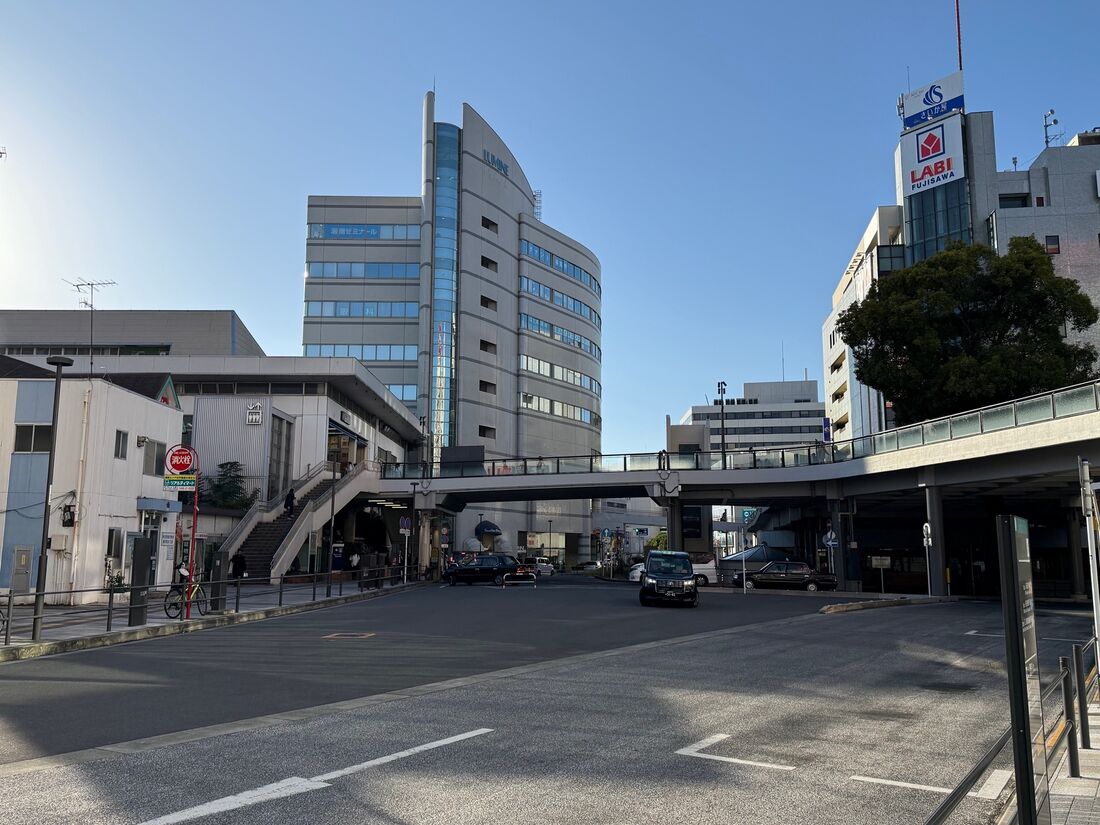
949, 188
483, 319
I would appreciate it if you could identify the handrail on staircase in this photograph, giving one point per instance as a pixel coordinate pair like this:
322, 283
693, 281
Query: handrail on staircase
293, 538
243, 528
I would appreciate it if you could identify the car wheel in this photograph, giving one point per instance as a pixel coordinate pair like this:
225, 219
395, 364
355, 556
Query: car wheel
749, 585
701, 581
498, 581
812, 587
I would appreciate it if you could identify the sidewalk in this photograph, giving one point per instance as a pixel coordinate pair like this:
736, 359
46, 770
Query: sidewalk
64, 623
1077, 801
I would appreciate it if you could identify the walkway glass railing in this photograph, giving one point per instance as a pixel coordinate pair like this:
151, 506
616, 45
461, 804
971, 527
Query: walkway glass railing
1061, 403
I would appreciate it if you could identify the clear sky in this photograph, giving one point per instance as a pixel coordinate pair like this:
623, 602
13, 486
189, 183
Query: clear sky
721, 159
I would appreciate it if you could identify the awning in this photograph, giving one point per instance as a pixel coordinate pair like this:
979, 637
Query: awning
335, 427
159, 505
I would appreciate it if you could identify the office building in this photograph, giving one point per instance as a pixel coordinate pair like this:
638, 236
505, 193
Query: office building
949, 187
768, 414
480, 317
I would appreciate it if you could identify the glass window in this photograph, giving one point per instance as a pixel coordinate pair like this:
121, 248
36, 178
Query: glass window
1053, 245
326, 350
330, 270
343, 270
340, 350
313, 308
410, 353
153, 458
343, 309
369, 353
358, 270
316, 269
328, 308
24, 438
372, 270
121, 443
370, 309
385, 232
383, 352
399, 232
383, 309
311, 350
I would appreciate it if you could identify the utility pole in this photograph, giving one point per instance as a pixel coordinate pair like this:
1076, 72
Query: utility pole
86, 287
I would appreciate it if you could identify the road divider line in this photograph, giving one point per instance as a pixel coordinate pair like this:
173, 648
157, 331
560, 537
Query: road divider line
694, 750
899, 784
277, 790
382, 760
297, 784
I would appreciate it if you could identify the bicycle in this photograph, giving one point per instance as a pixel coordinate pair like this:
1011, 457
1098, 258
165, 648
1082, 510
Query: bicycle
174, 601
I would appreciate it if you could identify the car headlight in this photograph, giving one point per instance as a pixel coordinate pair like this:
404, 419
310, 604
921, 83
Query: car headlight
650, 580
689, 585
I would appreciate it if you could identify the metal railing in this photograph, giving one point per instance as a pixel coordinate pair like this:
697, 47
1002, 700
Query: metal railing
1055, 404
217, 596
1071, 721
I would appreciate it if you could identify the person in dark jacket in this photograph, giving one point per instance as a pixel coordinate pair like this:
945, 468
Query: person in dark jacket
238, 566
289, 503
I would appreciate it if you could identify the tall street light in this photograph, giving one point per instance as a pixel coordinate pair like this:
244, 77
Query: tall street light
60, 362
722, 417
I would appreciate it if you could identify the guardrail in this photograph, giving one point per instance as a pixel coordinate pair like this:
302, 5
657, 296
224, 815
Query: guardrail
1076, 686
214, 596
1061, 403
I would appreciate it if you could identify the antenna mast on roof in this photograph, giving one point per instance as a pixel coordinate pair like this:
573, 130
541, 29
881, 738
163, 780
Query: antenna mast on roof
86, 287
538, 204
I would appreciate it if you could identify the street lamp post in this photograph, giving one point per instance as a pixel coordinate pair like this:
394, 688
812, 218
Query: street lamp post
550, 538
60, 362
722, 418
416, 527
331, 527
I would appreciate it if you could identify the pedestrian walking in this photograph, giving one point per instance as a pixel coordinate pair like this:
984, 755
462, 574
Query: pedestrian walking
289, 504
238, 566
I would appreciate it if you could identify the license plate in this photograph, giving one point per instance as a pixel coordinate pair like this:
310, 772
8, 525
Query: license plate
671, 592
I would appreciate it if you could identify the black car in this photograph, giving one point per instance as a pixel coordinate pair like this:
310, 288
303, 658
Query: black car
498, 568
788, 575
668, 577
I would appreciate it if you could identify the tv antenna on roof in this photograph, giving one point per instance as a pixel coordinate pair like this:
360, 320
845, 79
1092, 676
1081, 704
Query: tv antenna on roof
86, 287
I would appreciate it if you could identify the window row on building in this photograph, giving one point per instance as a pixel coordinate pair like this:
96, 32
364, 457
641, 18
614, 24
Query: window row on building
558, 408
71, 349
566, 336
364, 352
560, 373
364, 231
532, 287
404, 392
739, 416
336, 269
361, 309
765, 430
560, 264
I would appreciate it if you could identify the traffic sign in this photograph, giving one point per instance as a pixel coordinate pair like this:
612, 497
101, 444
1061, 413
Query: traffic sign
180, 460
606, 533
830, 540
406, 526
880, 562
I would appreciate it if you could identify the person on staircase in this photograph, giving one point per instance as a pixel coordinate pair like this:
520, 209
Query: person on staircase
288, 505
238, 566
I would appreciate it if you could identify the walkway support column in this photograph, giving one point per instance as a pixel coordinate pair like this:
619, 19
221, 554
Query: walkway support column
675, 524
424, 533
1073, 542
936, 545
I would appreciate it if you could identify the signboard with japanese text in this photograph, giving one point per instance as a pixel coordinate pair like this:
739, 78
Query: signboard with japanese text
932, 101
932, 156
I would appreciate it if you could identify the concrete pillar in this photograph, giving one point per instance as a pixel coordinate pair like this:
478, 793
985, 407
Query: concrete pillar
839, 556
1073, 542
675, 524
936, 553
424, 531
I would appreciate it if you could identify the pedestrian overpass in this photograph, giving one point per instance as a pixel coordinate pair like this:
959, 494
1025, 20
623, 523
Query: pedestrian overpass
1018, 451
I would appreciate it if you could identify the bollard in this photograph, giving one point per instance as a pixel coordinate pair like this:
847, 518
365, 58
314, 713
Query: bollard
314, 588
1067, 708
110, 608
237, 603
341, 592
1082, 695
281, 580
10, 617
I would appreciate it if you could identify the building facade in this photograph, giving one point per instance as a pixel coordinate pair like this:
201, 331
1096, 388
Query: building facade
949, 188
481, 318
768, 414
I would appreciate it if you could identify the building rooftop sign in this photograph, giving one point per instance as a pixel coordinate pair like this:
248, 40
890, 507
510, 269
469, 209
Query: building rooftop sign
932, 101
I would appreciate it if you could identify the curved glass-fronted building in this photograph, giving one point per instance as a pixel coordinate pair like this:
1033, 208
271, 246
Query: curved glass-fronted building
475, 313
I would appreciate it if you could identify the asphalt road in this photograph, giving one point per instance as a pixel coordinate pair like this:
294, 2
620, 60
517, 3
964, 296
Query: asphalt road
794, 717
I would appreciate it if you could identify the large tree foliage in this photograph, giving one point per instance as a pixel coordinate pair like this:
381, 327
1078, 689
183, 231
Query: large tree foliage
966, 328
227, 489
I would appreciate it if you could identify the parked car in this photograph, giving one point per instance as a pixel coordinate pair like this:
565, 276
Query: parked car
751, 559
668, 577
588, 565
636, 572
789, 575
542, 566
498, 568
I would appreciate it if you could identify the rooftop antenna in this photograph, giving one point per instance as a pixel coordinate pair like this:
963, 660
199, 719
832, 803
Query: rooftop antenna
86, 287
538, 204
1047, 123
1015, 160
959, 34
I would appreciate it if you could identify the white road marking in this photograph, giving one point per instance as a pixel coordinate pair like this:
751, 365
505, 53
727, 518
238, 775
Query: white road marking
382, 760
899, 784
1042, 638
994, 785
277, 790
296, 784
693, 750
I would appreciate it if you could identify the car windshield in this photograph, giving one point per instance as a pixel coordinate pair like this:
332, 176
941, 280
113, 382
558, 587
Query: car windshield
670, 565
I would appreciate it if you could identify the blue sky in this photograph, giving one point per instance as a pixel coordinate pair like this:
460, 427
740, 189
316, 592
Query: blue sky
721, 159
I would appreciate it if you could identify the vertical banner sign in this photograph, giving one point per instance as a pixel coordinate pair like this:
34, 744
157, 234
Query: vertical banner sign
1029, 749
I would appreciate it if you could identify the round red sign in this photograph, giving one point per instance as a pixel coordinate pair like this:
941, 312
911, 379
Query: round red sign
180, 460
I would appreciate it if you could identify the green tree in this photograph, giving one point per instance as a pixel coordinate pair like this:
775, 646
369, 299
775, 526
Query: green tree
658, 542
968, 327
227, 488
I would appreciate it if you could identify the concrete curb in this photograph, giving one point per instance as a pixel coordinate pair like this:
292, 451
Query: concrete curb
33, 650
849, 607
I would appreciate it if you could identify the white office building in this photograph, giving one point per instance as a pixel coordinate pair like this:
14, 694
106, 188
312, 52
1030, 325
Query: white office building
767, 414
